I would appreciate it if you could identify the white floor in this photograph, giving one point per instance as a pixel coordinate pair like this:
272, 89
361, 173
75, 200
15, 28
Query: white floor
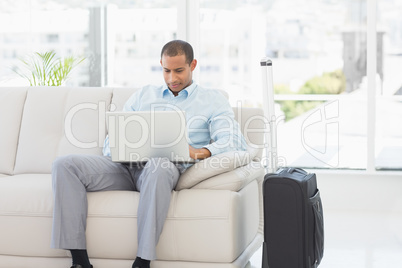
359, 240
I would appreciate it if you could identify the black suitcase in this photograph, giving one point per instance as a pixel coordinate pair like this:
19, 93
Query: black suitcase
293, 216
293, 220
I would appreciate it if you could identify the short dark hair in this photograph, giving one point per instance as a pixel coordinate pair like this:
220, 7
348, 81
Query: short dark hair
178, 47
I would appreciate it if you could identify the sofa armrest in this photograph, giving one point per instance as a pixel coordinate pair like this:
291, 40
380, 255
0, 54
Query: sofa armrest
234, 180
216, 165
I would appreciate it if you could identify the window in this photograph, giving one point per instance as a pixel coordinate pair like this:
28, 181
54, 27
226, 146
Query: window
120, 40
320, 52
138, 34
39, 26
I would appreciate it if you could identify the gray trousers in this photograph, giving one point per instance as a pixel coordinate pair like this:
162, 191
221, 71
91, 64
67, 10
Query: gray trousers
75, 175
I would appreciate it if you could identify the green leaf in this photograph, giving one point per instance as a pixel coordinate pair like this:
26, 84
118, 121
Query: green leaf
46, 69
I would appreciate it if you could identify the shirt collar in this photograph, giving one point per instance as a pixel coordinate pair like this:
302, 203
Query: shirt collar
186, 91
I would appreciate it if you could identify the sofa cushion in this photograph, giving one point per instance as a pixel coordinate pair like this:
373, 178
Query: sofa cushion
26, 215
120, 96
59, 121
212, 166
202, 225
11, 107
252, 124
210, 225
234, 180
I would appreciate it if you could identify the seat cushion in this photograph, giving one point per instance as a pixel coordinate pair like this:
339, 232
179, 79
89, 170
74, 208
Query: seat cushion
202, 225
26, 215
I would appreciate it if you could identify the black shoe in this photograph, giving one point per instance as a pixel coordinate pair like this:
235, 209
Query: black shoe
78, 266
141, 263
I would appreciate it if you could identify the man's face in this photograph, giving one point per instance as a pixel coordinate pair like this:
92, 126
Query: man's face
177, 73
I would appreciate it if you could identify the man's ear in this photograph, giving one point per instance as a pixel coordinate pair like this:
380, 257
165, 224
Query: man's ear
193, 64
161, 62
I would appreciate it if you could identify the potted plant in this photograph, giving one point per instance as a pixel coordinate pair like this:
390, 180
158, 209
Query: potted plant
45, 69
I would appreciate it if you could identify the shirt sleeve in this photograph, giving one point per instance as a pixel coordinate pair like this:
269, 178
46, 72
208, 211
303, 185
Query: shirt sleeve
132, 103
224, 129
106, 148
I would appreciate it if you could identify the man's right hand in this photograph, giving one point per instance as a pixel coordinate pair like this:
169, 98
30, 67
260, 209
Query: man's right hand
200, 153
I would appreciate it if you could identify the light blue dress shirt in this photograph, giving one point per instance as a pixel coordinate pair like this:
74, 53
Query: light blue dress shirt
209, 117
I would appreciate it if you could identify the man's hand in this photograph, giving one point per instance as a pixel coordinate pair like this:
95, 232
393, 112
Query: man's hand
201, 153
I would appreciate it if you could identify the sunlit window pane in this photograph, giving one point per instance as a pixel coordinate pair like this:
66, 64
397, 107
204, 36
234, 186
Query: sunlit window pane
119, 40
137, 36
27, 27
317, 47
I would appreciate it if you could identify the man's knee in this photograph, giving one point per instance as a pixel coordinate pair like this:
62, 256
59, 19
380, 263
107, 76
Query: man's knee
61, 162
67, 165
161, 161
161, 170
65, 161
160, 165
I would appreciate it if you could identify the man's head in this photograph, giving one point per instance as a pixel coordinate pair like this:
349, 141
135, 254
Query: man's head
178, 63
178, 47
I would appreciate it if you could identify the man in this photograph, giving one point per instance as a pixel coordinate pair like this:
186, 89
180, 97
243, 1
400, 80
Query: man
74, 175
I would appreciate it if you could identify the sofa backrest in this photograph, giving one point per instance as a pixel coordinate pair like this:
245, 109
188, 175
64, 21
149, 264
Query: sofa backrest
37, 124
59, 121
252, 124
11, 106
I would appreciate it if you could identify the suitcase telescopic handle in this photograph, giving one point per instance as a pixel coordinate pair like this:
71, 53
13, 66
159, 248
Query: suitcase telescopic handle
269, 113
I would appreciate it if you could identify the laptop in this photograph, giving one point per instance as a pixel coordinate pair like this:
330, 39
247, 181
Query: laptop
138, 136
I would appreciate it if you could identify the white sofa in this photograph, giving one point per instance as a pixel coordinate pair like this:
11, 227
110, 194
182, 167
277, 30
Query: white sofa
212, 222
